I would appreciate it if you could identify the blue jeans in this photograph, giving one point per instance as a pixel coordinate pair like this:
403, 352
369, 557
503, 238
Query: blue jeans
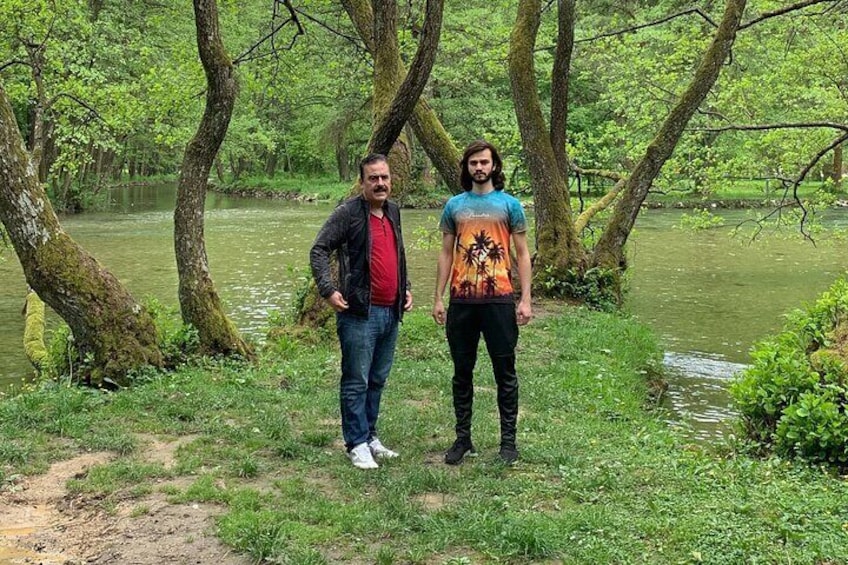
368, 349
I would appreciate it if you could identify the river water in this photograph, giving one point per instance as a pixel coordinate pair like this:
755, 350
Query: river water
708, 296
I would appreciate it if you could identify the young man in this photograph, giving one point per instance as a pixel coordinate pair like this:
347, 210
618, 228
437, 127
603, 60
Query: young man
476, 230
369, 301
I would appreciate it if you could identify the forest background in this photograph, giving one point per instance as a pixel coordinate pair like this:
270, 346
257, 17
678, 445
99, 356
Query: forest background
106, 92
113, 90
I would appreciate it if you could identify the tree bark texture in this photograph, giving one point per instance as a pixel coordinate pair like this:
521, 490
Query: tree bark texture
109, 326
393, 107
609, 252
434, 139
559, 85
558, 247
199, 301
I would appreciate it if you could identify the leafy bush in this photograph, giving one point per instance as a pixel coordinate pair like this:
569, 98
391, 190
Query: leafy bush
700, 219
793, 396
597, 288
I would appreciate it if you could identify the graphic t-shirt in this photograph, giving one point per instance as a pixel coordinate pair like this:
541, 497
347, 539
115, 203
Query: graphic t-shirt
482, 226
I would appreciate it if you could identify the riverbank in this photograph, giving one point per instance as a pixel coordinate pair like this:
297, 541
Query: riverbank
256, 450
739, 195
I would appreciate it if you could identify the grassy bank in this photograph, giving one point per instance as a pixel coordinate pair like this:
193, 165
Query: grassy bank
288, 187
601, 478
735, 194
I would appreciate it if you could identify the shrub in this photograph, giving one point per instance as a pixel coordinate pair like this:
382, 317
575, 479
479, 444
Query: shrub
793, 396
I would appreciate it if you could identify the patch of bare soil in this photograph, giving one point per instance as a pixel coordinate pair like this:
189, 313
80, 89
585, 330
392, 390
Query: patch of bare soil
41, 523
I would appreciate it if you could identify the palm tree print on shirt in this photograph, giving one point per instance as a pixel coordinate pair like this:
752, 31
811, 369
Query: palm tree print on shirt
480, 257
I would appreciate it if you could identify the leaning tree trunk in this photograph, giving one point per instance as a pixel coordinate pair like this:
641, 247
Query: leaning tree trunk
396, 94
108, 325
199, 301
559, 251
430, 132
609, 251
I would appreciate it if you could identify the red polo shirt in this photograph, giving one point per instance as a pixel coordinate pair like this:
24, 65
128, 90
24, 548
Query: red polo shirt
384, 262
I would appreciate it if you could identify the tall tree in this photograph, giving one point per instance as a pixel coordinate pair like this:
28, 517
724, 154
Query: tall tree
560, 254
199, 301
108, 325
427, 127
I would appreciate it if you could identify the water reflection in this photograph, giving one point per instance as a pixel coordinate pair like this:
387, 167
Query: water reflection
697, 392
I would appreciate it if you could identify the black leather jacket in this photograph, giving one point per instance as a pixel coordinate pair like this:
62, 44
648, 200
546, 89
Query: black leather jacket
347, 232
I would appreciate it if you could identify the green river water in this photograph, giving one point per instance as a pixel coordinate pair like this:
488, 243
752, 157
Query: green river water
708, 296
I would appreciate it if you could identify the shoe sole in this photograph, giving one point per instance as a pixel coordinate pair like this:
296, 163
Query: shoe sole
461, 459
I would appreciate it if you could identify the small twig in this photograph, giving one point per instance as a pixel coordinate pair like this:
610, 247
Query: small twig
660, 21
272, 35
781, 11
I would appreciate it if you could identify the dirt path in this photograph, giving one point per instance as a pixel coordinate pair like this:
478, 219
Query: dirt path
41, 523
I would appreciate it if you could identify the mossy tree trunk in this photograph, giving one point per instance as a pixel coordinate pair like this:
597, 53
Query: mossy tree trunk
426, 126
558, 247
559, 251
396, 94
199, 301
109, 326
609, 251
396, 91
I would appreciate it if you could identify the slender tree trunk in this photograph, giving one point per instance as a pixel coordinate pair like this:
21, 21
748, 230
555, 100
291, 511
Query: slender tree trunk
558, 247
107, 323
836, 172
342, 159
430, 132
271, 164
199, 301
609, 252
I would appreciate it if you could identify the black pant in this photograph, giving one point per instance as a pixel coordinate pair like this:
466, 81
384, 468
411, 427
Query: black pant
498, 325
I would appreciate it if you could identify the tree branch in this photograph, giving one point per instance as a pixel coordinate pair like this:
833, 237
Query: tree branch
272, 34
660, 21
805, 171
332, 30
600, 205
14, 62
76, 99
764, 127
782, 11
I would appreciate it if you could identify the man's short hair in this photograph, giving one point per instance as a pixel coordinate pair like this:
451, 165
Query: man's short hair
465, 178
367, 160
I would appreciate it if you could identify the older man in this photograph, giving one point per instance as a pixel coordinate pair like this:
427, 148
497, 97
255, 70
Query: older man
370, 298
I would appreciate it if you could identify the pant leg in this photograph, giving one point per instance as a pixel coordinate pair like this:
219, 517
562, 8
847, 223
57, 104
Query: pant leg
386, 325
500, 330
357, 346
463, 333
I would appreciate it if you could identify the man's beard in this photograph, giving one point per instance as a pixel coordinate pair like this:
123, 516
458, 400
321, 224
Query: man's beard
481, 178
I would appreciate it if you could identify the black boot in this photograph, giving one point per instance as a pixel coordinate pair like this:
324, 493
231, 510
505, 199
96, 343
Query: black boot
460, 448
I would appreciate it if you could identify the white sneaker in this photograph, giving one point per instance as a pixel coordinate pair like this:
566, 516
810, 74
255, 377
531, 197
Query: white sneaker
361, 457
380, 451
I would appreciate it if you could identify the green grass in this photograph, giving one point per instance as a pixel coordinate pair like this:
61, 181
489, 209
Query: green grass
601, 478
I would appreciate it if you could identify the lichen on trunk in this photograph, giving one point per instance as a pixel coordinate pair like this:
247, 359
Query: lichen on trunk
200, 304
110, 328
